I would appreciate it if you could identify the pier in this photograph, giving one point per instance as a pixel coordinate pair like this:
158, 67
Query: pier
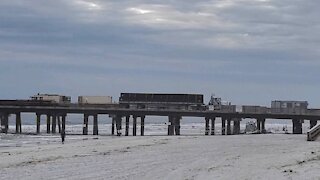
56, 118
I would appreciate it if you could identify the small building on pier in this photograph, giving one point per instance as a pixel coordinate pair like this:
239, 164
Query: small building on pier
52, 97
295, 107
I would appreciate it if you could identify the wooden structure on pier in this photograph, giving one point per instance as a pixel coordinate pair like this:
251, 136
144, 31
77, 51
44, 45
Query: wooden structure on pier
56, 117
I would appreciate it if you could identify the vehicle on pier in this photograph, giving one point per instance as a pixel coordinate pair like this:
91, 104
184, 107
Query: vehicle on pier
162, 101
97, 101
94, 100
54, 98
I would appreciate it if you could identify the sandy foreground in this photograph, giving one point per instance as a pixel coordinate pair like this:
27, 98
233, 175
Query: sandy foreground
271, 156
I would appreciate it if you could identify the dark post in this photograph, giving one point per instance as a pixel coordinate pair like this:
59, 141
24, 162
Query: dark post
112, 125
229, 126
213, 119
127, 125
223, 129
142, 125
85, 124
263, 125
59, 123
297, 126
54, 123
134, 133
64, 123
207, 128
258, 124
38, 123
177, 125
118, 124
48, 123
18, 122
5, 123
171, 126
95, 124
236, 126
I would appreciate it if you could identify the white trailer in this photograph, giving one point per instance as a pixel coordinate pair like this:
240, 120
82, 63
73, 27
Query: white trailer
95, 99
52, 97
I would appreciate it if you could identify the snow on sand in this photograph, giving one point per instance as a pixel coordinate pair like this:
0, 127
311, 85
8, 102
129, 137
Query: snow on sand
272, 156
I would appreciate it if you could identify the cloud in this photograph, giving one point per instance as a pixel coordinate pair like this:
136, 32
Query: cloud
194, 45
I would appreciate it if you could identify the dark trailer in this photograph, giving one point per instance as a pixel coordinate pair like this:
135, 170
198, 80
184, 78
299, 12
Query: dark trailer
150, 100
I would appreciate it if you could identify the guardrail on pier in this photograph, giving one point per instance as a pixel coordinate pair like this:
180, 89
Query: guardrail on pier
313, 133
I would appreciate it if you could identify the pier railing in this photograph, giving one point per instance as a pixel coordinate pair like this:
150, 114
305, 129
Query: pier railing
313, 133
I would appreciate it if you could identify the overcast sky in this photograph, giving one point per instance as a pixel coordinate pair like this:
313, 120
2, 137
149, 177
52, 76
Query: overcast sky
245, 51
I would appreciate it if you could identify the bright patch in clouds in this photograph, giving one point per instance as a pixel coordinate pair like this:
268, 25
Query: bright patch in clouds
139, 10
88, 5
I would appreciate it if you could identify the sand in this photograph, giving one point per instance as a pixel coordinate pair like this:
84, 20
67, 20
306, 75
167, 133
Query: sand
268, 156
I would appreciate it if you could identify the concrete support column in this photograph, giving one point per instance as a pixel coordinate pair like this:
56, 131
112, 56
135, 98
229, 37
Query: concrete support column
223, 128
236, 126
63, 129
54, 124
48, 123
127, 125
171, 126
38, 123
118, 124
258, 124
5, 123
85, 124
59, 123
134, 128
142, 125
18, 123
95, 125
297, 126
263, 125
207, 126
112, 125
313, 123
212, 125
229, 126
177, 125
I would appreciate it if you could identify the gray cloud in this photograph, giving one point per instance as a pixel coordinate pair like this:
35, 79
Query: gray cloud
227, 46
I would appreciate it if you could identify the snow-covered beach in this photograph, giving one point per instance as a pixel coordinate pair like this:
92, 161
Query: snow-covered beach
268, 156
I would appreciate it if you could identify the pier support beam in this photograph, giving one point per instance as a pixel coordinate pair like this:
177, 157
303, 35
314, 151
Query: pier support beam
18, 123
127, 125
95, 125
229, 126
112, 125
118, 124
4, 123
63, 118
207, 126
134, 128
59, 123
263, 125
258, 124
212, 125
236, 126
297, 126
38, 123
85, 124
142, 125
171, 126
48, 123
177, 125
54, 124
223, 128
